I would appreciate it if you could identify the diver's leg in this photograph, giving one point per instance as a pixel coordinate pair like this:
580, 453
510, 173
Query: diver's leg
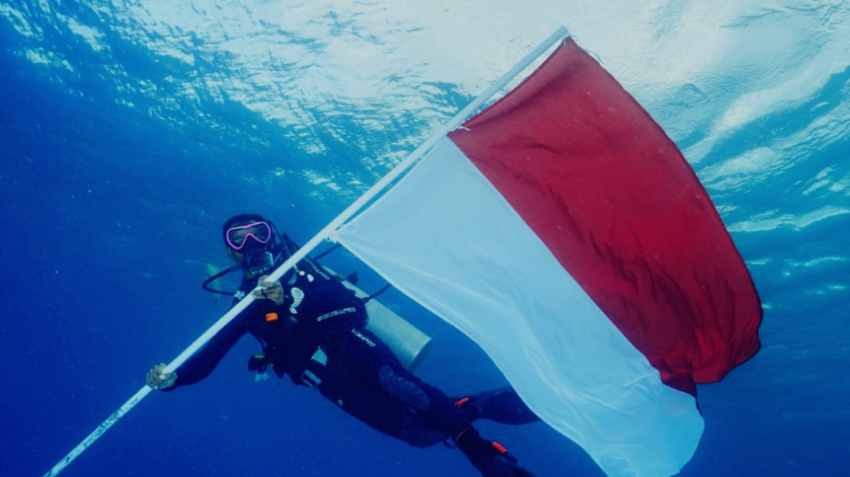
501, 405
490, 458
382, 413
438, 410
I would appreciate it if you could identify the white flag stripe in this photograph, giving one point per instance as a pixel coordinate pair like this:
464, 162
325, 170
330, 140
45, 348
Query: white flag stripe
447, 238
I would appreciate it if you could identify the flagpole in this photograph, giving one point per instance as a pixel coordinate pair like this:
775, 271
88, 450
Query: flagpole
321, 236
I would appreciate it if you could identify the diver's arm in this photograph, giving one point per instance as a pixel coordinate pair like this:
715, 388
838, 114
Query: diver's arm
202, 363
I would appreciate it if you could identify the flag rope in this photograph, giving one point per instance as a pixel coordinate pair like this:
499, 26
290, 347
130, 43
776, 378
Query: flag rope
321, 236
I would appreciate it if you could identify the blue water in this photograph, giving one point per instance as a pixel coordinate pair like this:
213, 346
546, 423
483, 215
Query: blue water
131, 129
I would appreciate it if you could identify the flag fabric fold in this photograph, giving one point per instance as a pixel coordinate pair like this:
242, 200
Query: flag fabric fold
563, 232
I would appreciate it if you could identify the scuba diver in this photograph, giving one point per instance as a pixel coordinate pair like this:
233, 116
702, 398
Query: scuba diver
313, 329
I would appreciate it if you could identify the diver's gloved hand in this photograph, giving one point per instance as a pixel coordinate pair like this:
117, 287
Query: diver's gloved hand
269, 290
490, 458
157, 378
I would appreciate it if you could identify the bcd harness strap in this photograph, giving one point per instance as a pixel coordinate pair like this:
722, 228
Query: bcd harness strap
319, 359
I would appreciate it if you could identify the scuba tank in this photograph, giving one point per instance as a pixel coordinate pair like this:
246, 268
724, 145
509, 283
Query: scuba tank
408, 343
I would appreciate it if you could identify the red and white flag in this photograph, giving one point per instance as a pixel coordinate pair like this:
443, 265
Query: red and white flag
564, 232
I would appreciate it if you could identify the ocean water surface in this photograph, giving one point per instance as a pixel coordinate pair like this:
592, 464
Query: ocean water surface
130, 129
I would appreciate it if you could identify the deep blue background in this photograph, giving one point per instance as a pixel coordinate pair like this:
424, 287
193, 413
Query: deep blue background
111, 213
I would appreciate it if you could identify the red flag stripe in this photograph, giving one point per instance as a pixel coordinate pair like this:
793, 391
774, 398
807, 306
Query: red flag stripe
623, 212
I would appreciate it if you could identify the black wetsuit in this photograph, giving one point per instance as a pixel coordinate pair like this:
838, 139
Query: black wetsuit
321, 341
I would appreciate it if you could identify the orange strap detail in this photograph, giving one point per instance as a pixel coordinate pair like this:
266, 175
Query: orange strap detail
500, 448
